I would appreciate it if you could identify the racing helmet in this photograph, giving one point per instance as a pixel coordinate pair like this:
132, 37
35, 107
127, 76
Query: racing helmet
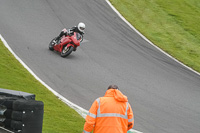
81, 27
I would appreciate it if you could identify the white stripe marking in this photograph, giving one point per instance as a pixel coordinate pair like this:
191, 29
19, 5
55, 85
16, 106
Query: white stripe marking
78, 109
147, 39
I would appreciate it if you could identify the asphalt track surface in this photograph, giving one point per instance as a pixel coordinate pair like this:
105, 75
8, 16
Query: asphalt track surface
164, 95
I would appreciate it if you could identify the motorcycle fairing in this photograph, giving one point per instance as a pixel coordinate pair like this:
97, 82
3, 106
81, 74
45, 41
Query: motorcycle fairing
64, 41
73, 40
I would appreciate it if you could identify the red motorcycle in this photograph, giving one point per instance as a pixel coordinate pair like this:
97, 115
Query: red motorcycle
66, 44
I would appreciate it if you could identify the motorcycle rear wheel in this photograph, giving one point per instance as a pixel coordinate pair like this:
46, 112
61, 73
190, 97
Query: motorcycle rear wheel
66, 51
51, 44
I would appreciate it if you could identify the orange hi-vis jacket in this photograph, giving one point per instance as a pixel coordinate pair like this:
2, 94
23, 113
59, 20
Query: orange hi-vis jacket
110, 114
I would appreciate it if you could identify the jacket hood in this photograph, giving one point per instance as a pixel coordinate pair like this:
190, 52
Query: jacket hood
117, 95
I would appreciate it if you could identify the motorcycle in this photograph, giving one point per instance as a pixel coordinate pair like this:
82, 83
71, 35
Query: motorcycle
66, 44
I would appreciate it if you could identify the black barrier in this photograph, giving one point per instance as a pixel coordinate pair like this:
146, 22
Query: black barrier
20, 112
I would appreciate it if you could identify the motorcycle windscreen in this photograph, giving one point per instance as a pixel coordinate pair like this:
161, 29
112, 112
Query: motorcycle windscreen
78, 36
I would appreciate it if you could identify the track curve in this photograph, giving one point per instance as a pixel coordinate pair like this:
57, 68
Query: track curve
164, 94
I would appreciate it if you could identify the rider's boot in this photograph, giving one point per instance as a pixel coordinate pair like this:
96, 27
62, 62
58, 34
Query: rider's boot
56, 40
58, 37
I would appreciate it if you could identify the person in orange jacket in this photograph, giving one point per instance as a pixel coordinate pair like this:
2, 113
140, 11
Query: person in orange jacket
110, 114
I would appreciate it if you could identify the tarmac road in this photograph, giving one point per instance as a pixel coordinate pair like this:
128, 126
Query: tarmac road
163, 94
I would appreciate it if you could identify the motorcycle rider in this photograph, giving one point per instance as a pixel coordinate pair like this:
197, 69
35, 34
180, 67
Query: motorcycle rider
80, 29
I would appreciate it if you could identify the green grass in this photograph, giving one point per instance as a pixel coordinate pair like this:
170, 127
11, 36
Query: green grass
58, 117
172, 25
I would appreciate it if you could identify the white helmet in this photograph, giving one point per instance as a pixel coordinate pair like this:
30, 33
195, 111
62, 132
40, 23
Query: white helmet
81, 27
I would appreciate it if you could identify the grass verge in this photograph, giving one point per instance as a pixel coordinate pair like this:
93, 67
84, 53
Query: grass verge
172, 25
58, 117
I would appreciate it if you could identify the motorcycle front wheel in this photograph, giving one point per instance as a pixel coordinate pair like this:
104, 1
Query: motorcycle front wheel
66, 51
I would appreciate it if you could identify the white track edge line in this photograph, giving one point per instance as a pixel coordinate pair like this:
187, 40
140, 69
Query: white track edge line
148, 39
77, 108
6, 130
108, 2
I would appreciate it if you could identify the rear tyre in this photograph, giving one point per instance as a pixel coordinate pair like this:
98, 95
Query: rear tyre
66, 51
51, 44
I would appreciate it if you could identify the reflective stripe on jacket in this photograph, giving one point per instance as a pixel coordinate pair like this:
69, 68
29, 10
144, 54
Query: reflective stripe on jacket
110, 114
